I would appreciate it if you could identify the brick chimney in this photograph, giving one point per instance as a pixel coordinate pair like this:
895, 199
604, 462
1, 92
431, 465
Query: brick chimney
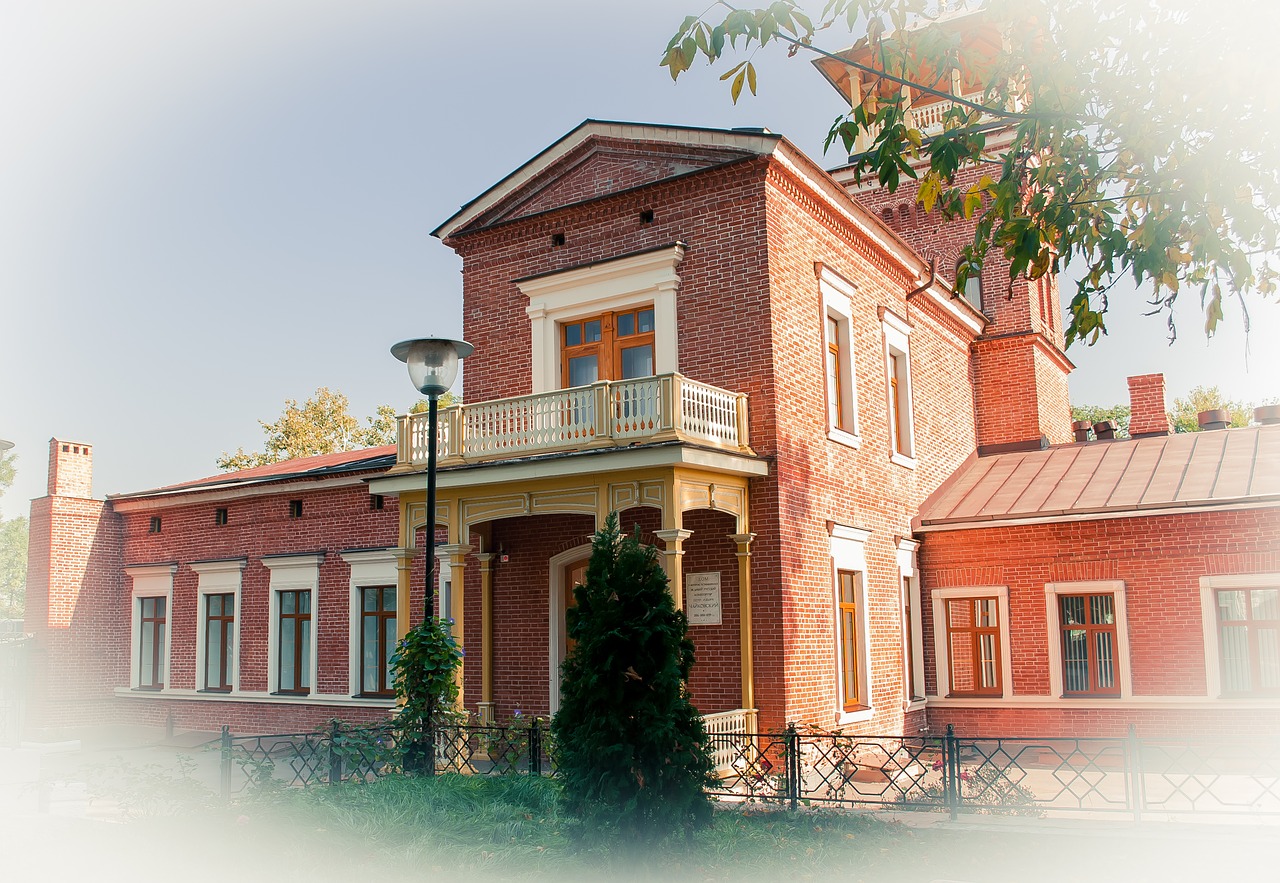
1147, 415
70, 469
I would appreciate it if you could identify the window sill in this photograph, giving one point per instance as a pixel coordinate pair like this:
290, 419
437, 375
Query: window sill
903, 460
187, 695
913, 705
848, 439
857, 716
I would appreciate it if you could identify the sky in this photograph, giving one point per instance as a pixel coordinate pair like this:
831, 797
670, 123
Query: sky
207, 208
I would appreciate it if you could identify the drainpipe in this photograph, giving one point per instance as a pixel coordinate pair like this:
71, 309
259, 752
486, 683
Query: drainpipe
933, 277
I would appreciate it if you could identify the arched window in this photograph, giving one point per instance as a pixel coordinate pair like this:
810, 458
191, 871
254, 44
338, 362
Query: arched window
972, 286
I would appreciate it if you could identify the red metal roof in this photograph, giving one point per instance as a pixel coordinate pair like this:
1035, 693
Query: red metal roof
300, 467
1113, 477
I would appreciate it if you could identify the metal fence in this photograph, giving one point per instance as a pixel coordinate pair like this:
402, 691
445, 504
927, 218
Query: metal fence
1026, 776
951, 773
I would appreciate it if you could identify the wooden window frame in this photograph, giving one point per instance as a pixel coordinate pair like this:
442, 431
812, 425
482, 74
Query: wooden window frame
1090, 630
159, 640
976, 633
1251, 626
608, 349
898, 391
299, 660
226, 640
847, 614
380, 615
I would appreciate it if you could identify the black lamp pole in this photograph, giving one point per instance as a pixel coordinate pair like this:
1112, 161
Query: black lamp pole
433, 366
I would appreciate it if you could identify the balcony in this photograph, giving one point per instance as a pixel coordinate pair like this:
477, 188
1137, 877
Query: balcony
608, 414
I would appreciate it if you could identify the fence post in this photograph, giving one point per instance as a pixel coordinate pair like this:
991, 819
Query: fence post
335, 756
791, 754
535, 748
951, 772
225, 746
1136, 787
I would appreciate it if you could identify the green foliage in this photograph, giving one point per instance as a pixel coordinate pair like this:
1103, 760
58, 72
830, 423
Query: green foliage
425, 667
1132, 149
323, 424
1207, 398
13, 551
152, 790
1096, 413
631, 748
13, 568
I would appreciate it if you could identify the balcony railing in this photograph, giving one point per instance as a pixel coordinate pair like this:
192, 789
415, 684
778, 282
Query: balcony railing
669, 407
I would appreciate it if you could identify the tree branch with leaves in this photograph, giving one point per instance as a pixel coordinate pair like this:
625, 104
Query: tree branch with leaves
1125, 139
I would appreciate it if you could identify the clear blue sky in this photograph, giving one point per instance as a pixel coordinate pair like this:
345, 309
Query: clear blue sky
207, 208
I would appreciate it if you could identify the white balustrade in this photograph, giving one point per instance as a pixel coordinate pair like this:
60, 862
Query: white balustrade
726, 723
619, 412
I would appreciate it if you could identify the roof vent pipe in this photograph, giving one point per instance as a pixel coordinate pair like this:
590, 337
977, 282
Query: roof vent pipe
1215, 419
1267, 415
1104, 430
1081, 429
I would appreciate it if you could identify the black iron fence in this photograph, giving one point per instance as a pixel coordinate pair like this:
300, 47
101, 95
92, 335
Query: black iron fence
951, 773
1026, 776
344, 753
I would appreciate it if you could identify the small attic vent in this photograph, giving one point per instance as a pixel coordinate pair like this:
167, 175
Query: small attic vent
646, 216
557, 240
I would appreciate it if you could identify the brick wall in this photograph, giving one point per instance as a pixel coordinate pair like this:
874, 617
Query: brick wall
1159, 558
1147, 415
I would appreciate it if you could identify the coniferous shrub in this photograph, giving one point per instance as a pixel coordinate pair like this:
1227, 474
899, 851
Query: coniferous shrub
632, 750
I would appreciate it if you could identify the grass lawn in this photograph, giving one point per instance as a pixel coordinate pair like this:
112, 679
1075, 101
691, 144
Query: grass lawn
474, 828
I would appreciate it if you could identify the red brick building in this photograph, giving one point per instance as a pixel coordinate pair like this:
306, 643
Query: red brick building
767, 370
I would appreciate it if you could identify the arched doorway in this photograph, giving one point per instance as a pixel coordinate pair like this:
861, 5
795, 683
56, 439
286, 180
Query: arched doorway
566, 570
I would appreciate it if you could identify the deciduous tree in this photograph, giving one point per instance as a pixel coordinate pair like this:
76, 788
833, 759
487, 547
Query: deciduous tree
323, 424
1143, 138
1207, 398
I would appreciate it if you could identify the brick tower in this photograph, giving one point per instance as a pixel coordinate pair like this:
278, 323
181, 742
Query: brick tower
1018, 365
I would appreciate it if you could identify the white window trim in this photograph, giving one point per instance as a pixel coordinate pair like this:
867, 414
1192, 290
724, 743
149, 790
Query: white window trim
837, 296
292, 573
896, 340
444, 586
941, 652
150, 581
557, 640
217, 578
1209, 585
1114, 587
369, 567
608, 286
849, 552
906, 555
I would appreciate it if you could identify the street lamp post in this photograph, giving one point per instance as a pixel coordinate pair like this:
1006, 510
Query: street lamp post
433, 366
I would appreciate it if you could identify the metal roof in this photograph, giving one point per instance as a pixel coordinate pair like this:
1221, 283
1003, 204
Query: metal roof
1113, 478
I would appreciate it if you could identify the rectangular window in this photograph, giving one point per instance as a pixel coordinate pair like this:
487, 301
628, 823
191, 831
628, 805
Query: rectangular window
155, 524
295, 508
151, 644
377, 639
911, 671
219, 641
1249, 641
610, 346
376, 502
973, 646
847, 585
898, 383
1090, 650
837, 333
219, 517
295, 642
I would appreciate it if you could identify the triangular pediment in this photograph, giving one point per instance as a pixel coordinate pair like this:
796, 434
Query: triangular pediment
598, 159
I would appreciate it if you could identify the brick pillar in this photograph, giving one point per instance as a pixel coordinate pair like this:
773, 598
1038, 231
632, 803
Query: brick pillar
1147, 415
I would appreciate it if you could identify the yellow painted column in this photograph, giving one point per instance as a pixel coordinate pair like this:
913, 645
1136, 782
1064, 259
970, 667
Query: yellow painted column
455, 554
743, 542
404, 583
486, 636
671, 561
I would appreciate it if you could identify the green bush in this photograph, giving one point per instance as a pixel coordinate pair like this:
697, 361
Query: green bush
631, 749
424, 666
